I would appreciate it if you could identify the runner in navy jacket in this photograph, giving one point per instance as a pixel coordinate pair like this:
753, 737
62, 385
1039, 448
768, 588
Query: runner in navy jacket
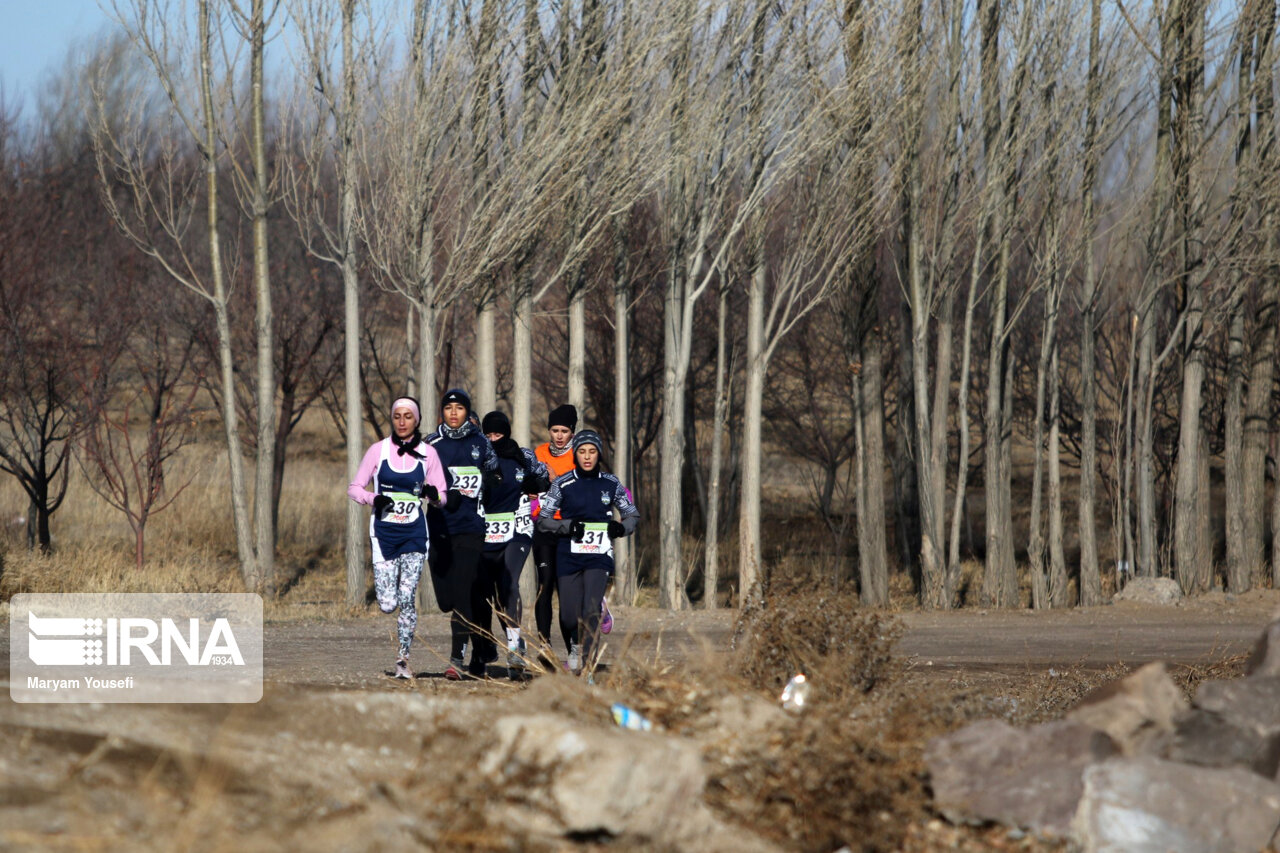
457, 531
586, 498
508, 513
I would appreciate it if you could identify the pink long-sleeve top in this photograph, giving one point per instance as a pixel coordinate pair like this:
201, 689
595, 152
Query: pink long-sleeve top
358, 492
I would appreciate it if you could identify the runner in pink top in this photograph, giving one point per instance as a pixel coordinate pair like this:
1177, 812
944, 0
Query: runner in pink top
405, 473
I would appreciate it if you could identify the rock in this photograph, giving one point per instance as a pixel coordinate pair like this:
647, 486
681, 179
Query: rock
1136, 805
1249, 709
1022, 777
577, 780
1139, 712
1264, 661
1151, 591
1211, 740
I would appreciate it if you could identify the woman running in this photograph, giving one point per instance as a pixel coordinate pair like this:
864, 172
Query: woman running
405, 473
508, 515
579, 509
457, 532
557, 455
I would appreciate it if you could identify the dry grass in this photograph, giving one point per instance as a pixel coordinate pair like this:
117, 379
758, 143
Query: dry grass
190, 546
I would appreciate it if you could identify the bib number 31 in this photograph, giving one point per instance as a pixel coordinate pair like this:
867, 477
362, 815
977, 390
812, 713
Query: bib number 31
594, 541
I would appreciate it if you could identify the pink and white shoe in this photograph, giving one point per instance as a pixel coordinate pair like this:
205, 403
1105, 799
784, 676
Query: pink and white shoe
402, 669
606, 618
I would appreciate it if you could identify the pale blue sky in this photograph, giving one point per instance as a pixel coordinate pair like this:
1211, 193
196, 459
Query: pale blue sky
35, 36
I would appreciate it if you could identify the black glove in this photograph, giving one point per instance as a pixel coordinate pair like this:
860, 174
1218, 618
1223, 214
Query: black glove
452, 500
531, 484
381, 503
616, 530
428, 492
577, 530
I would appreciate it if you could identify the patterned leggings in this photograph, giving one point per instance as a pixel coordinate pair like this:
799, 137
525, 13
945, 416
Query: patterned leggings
396, 583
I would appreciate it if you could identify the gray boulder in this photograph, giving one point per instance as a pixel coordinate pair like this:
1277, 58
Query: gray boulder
1031, 778
1147, 805
1264, 662
1151, 591
643, 789
1139, 712
1238, 724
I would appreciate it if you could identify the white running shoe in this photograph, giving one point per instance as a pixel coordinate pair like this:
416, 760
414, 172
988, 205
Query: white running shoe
402, 669
515, 659
575, 658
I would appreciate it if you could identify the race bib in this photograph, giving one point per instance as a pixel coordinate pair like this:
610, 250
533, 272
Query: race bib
595, 541
404, 508
499, 527
524, 517
466, 480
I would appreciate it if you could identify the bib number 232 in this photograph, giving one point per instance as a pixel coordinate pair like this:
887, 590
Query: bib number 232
466, 481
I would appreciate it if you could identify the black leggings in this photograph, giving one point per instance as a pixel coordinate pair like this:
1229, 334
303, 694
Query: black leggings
501, 576
455, 575
544, 560
580, 597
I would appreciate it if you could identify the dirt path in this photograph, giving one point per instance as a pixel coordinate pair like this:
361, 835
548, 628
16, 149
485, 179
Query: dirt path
355, 654
338, 756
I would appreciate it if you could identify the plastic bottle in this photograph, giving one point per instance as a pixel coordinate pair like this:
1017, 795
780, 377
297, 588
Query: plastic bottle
796, 693
629, 719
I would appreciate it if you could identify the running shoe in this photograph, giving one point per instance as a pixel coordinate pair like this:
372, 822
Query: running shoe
402, 669
515, 660
575, 658
606, 618
455, 670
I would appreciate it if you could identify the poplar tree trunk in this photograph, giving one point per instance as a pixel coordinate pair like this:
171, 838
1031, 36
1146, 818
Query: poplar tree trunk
671, 445
711, 572
1238, 572
485, 394
249, 572
873, 548
522, 361
749, 564
264, 498
578, 348
356, 525
1057, 554
624, 579
1090, 575
1187, 543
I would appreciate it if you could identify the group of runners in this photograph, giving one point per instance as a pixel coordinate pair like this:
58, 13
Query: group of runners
469, 504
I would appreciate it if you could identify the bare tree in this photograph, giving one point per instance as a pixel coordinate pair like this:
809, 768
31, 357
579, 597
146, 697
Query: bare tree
134, 427
328, 139
153, 196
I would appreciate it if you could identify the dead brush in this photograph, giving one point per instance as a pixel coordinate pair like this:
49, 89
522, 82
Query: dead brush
843, 649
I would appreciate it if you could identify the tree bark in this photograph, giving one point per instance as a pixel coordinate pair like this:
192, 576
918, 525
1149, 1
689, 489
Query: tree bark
485, 394
624, 564
265, 396
1090, 576
873, 556
578, 347
749, 563
356, 529
711, 572
1238, 572
230, 419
